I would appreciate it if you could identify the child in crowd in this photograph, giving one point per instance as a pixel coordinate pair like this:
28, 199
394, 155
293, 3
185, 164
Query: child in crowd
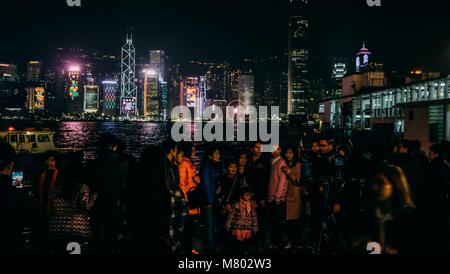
243, 221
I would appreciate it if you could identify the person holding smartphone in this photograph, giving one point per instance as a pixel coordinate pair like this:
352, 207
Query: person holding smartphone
12, 204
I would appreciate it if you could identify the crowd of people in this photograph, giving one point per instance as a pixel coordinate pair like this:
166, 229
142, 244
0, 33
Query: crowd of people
327, 198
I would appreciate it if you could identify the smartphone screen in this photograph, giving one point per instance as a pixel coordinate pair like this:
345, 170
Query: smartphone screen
17, 179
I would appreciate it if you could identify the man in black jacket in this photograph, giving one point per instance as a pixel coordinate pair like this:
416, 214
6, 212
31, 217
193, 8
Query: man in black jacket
12, 204
258, 180
109, 177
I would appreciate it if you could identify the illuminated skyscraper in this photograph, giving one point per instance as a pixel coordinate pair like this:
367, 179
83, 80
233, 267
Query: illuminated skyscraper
339, 71
8, 73
164, 101
157, 63
151, 100
298, 58
128, 98
35, 99
110, 89
73, 86
34, 71
91, 99
201, 100
246, 89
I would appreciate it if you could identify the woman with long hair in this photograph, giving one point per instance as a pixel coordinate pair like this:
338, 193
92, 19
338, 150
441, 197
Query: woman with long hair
293, 195
390, 208
157, 209
68, 210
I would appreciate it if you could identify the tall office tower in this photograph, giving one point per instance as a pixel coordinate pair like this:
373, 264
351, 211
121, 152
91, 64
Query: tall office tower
150, 96
34, 71
8, 73
73, 96
49, 83
175, 79
35, 99
298, 58
339, 71
164, 101
246, 89
201, 99
128, 90
158, 64
218, 81
189, 93
110, 91
91, 99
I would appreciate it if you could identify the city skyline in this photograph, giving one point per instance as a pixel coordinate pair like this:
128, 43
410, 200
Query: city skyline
232, 31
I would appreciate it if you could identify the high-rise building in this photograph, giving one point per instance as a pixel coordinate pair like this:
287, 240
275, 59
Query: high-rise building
190, 94
246, 89
164, 102
49, 83
339, 71
110, 92
73, 86
201, 100
34, 71
158, 63
35, 99
176, 78
150, 95
128, 98
91, 99
8, 73
298, 58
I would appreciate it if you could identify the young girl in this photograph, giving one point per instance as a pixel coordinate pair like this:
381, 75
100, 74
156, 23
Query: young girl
243, 221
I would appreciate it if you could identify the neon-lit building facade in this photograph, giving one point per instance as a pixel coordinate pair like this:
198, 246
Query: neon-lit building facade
193, 94
110, 89
190, 91
35, 99
73, 90
91, 99
74, 82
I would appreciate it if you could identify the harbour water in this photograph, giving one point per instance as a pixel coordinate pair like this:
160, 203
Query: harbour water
84, 135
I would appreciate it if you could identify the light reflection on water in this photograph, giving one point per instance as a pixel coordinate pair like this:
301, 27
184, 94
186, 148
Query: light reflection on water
85, 135
137, 135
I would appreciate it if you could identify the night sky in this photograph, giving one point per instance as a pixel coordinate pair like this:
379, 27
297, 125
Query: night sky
402, 35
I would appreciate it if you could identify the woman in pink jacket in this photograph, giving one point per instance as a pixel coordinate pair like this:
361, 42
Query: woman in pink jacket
277, 198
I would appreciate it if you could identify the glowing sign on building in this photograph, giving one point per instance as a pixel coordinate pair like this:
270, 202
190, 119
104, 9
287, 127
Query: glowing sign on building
74, 77
128, 106
39, 98
190, 91
35, 99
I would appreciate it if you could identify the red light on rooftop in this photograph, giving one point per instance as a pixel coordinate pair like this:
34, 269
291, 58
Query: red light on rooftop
11, 129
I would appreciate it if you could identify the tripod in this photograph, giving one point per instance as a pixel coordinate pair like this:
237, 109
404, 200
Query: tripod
328, 220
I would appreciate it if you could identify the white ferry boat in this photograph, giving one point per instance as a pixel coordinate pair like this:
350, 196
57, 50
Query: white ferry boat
30, 141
